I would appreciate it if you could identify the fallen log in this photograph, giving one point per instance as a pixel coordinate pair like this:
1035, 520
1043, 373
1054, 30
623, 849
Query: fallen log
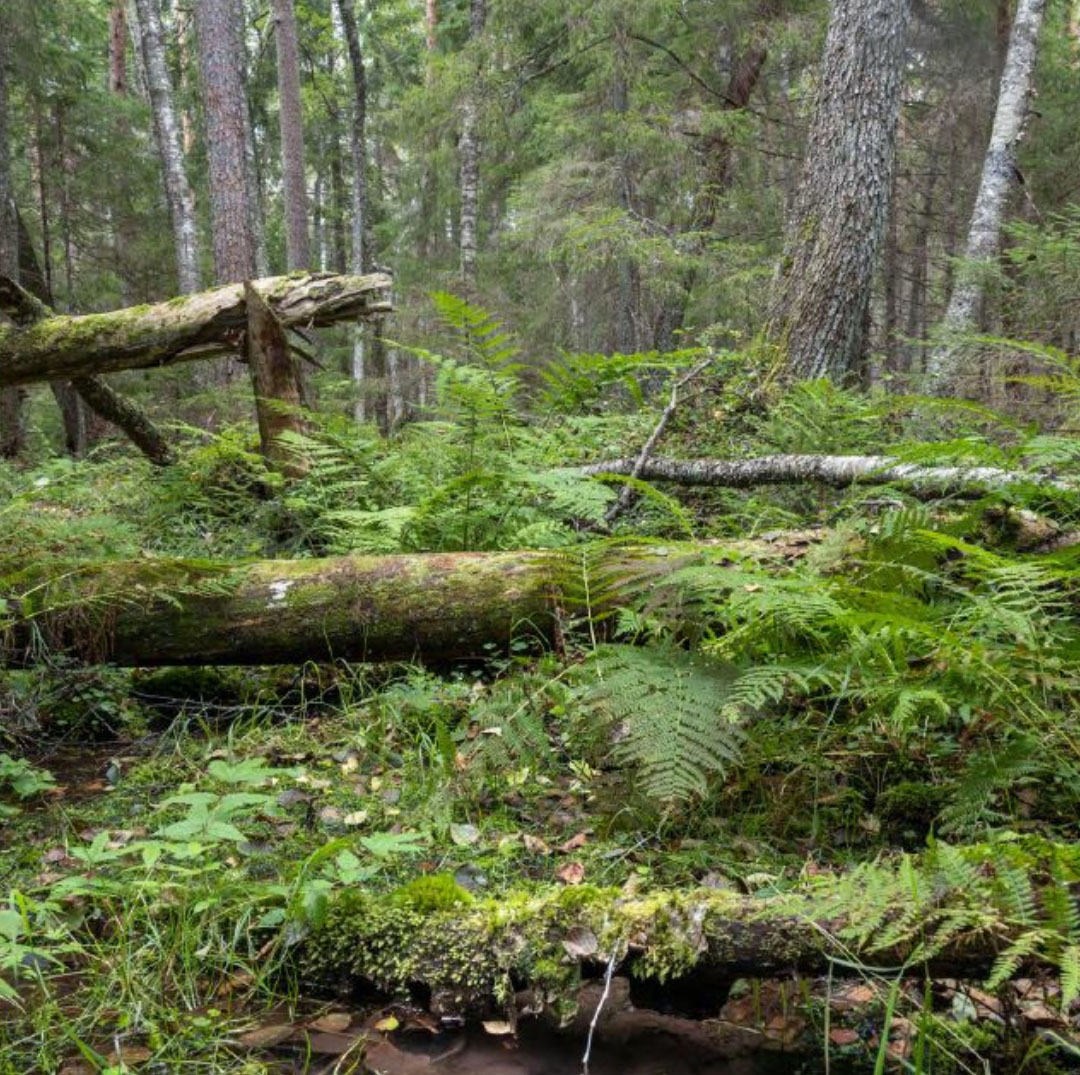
435, 607
185, 328
904, 918
838, 471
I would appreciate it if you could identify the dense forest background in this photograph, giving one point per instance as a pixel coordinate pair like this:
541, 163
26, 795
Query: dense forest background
527, 520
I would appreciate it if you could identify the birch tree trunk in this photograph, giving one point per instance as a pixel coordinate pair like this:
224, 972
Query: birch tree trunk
221, 65
823, 289
1000, 175
297, 243
167, 132
470, 155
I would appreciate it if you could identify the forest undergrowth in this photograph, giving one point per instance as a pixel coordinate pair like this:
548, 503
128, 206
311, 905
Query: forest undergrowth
880, 717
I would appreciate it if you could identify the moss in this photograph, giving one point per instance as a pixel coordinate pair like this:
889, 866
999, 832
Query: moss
439, 892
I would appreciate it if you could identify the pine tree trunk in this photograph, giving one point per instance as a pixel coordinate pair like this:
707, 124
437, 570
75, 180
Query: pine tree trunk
221, 66
297, 243
823, 289
470, 156
178, 193
999, 180
118, 79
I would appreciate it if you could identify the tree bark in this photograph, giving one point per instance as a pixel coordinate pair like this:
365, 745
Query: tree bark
839, 471
221, 66
127, 417
275, 381
12, 399
190, 327
1000, 176
291, 113
470, 149
822, 292
178, 192
118, 74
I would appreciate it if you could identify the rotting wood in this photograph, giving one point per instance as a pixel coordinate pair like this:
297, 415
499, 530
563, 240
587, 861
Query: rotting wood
190, 327
276, 383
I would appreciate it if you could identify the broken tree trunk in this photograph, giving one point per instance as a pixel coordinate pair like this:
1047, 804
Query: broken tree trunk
196, 326
839, 471
276, 381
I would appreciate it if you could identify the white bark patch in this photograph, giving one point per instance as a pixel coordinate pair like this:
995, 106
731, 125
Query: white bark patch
279, 589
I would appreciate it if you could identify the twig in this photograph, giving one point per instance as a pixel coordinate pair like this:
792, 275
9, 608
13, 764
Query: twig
608, 975
627, 494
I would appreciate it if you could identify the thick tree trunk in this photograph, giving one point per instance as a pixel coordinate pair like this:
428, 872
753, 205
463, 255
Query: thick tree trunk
178, 192
823, 288
191, 327
297, 243
838, 471
999, 179
470, 155
221, 67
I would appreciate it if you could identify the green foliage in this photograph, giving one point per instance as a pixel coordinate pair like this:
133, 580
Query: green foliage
671, 714
436, 892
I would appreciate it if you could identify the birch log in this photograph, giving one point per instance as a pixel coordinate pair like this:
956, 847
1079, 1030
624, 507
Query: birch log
1000, 176
839, 471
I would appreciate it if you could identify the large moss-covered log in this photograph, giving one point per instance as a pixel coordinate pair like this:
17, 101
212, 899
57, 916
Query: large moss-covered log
190, 327
948, 912
374, 608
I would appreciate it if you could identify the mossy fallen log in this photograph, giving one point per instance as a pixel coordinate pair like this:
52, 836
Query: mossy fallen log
188, 327
431, 607
466, 957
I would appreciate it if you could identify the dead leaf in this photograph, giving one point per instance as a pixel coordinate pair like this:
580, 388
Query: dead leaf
130, 1055
535, 845
329, 1044
580, 943
842, 1036
579, 840
332, 1022
357, 817
497, 1028
266, 1037
573, 873
464, 835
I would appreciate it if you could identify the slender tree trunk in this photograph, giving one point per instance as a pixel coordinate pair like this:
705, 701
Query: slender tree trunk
999, 179
118, 72
339, 258
823, 289
178, 193
297, 243
12, 400
369, 361
221, 66
431, 24
718, 160
470, 155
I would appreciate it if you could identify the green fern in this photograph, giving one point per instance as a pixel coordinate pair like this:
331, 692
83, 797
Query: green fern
672, 714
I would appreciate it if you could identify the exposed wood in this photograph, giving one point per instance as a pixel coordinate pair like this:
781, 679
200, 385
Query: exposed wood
838, 471
276, 382
196, 326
